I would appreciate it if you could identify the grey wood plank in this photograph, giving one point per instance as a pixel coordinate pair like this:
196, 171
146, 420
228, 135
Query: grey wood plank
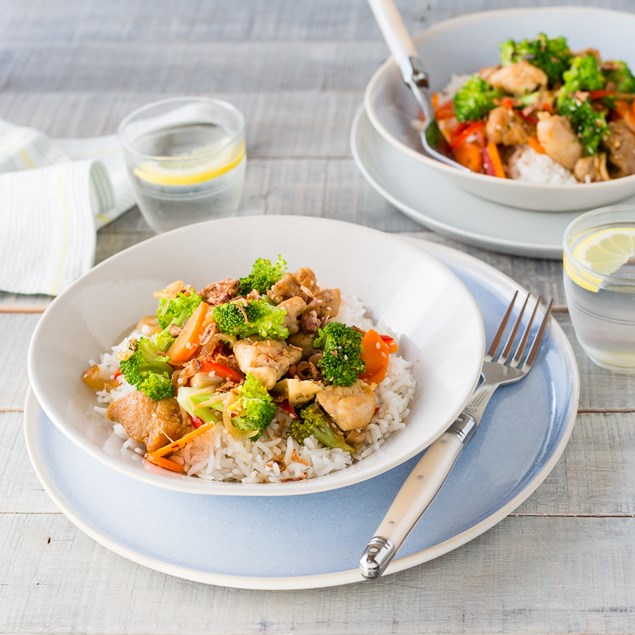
529, 575
595, 476
15, 335
21, 491
148, 20
270, 66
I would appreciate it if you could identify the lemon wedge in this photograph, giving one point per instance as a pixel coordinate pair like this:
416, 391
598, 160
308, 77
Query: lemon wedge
603, 252
190, 170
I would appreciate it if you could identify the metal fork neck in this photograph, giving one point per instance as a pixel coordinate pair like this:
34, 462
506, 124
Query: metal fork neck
418, 82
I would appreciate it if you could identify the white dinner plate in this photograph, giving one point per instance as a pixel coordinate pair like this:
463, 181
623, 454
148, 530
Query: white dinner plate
435, 202
433, 315
316, 540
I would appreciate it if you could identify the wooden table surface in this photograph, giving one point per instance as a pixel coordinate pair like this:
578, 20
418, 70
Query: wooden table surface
563, 562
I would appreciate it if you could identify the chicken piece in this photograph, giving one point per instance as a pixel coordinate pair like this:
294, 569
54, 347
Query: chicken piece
220, 292
518, 78
620, 145
592, 169
322, 308
297, 391
293, 307
556, 136
506, 127
266, 360
153, 423
301, 283
351, 407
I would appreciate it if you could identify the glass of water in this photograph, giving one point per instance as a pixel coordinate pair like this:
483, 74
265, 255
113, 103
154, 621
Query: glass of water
599, 281
186, 159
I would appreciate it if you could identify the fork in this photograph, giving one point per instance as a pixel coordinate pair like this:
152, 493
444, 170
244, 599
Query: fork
500, 367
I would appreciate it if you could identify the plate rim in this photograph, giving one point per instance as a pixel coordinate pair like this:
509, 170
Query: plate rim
192, 485
439, 26
32, 407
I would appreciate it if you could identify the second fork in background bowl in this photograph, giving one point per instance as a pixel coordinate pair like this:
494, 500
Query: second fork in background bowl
465, 44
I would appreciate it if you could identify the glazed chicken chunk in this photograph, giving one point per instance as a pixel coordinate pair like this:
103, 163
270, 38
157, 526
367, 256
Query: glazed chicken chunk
293, 308
505, 126
519, 78
592, 169
351, 407
266, 360
621, 148
153, 423
556, 136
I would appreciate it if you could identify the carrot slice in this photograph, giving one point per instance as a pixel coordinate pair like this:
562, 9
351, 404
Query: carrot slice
495, 158
536, 145
180, 443
375, 354
469, 154
166, 464
393, 347
186, 345
445, 111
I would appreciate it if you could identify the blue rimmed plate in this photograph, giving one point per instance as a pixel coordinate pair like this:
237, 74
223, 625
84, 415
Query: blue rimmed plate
315, 540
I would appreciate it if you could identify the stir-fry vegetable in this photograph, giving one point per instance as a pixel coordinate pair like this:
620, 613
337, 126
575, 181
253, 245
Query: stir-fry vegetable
474, 100
342, 360
253, 317
147, 368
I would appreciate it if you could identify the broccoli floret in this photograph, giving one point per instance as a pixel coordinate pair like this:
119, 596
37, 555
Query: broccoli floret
622, 77
474, 100
314, 421
590, 125
255, 317
551, 55
177, 310
148, 370
341, 362
203, 403
584, 74
263, 275
253, 408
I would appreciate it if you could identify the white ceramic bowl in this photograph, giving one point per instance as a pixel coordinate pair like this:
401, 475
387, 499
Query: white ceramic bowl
465, 44
438, 321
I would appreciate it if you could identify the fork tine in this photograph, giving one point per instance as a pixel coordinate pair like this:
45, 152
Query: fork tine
537, 341
512, 335
501, 329
523, 342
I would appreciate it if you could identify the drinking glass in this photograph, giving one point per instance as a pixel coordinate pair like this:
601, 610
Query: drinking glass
599, 282
186, 159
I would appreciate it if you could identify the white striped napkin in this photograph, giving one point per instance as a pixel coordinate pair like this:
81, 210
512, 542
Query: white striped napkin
53, 197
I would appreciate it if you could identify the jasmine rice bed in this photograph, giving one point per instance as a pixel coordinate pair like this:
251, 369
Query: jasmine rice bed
216, 455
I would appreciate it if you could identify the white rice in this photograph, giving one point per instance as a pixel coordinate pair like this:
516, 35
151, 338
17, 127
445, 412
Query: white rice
530, 166
217, 456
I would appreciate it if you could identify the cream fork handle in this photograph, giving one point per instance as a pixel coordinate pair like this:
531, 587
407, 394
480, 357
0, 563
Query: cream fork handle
395, 33
414, 497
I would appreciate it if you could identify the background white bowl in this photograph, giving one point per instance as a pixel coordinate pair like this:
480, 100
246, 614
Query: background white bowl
439, 325
466, 44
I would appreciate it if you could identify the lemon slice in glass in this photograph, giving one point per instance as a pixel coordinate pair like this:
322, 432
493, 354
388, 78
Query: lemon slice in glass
603, 252
191, 169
